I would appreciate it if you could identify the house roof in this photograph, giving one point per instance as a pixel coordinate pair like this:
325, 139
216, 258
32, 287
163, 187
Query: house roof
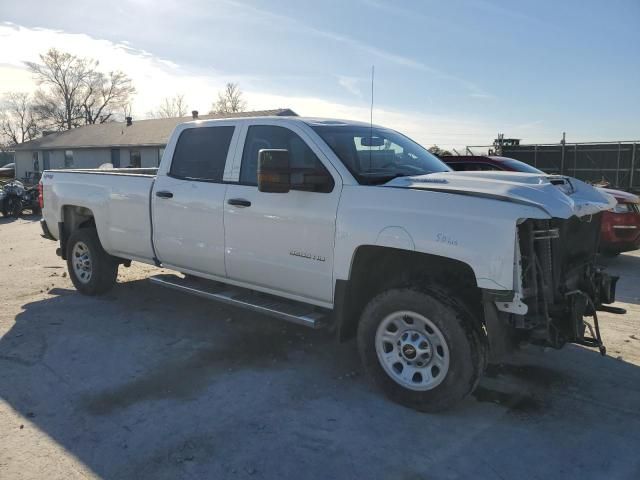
152, 132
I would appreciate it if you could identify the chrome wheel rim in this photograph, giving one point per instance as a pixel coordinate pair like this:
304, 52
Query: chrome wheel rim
412, 350
81, 261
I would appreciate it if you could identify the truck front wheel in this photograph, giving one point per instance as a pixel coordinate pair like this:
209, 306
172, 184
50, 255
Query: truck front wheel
92, 270
422, 348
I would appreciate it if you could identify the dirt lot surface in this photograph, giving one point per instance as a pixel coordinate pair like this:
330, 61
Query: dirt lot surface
150, 383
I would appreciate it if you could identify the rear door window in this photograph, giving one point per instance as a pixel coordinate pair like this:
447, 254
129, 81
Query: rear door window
201, 153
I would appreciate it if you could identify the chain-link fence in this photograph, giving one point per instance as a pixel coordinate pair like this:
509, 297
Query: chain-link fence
614, 163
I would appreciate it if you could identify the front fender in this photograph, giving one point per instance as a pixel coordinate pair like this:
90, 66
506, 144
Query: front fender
478, 232
395, 237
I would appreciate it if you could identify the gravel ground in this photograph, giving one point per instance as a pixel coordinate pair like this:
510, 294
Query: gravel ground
150, 383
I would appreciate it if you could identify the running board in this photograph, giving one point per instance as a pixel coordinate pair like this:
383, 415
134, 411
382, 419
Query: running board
289, 310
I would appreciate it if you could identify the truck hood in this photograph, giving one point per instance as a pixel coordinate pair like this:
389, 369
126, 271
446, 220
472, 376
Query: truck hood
558, 196
621, 196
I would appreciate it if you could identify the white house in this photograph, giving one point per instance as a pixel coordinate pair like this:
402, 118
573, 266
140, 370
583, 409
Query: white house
123, 144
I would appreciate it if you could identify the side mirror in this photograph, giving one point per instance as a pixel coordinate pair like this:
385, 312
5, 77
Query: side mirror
274, 174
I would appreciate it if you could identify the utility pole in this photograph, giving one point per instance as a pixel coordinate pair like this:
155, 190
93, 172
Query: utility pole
564, 140
497, 143
633, 166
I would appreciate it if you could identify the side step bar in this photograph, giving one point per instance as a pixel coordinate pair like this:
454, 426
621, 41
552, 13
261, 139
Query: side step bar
291, 311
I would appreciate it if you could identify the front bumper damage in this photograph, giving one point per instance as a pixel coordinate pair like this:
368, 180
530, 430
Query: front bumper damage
562, 287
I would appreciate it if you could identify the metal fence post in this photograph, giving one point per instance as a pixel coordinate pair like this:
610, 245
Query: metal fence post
633, 166
618, 164
562, 154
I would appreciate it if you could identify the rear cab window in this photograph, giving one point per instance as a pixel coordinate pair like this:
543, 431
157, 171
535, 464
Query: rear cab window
201, 153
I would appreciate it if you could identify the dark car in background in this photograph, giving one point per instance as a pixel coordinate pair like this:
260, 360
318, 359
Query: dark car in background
8, 171
620, 229
469, 163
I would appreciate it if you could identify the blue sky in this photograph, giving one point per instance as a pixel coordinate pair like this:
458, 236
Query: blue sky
452, 73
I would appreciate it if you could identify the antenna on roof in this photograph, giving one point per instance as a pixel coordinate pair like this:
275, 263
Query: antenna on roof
372, 77
371, 115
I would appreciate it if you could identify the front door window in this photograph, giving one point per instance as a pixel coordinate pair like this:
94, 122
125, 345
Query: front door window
307, 172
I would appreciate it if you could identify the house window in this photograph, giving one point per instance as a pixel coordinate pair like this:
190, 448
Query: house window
135, 160
68, 159
160, 154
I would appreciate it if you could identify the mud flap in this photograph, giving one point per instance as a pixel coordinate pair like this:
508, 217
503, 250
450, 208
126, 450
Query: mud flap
499, 332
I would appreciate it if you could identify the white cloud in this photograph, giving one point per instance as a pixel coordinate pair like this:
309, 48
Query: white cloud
156, 78
481, 95
375, 52
446, 131
350, 84
15, 79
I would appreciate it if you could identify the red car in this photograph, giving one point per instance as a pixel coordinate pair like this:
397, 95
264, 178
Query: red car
620, 230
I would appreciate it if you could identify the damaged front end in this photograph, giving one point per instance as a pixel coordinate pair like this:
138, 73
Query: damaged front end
561, 284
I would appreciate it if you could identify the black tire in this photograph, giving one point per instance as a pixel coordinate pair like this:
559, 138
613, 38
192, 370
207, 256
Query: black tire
15, 207
609, 253
465, 338
104, 267
4, 207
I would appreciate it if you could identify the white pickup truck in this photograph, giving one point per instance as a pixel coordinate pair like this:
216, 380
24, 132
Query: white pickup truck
352, 227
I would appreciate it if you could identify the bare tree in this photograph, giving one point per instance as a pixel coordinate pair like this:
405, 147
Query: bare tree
73, 92
437, 151
63, 77
104, 94
171, 107
229, 100
17, 120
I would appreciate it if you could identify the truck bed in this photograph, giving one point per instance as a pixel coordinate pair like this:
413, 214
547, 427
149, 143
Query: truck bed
119, 200
148, 172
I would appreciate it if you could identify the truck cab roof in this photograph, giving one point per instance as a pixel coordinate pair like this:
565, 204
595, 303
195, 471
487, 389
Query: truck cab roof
311, 121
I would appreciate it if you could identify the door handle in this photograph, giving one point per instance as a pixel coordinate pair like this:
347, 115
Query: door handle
239, 202
164, 194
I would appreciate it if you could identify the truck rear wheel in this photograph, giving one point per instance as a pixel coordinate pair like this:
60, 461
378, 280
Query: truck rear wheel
92, 270
421, 348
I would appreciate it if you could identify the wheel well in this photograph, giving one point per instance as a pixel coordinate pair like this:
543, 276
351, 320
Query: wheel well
375, 269
74, 218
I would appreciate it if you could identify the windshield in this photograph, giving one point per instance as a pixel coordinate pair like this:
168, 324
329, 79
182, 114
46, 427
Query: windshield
377, 155
519, 166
